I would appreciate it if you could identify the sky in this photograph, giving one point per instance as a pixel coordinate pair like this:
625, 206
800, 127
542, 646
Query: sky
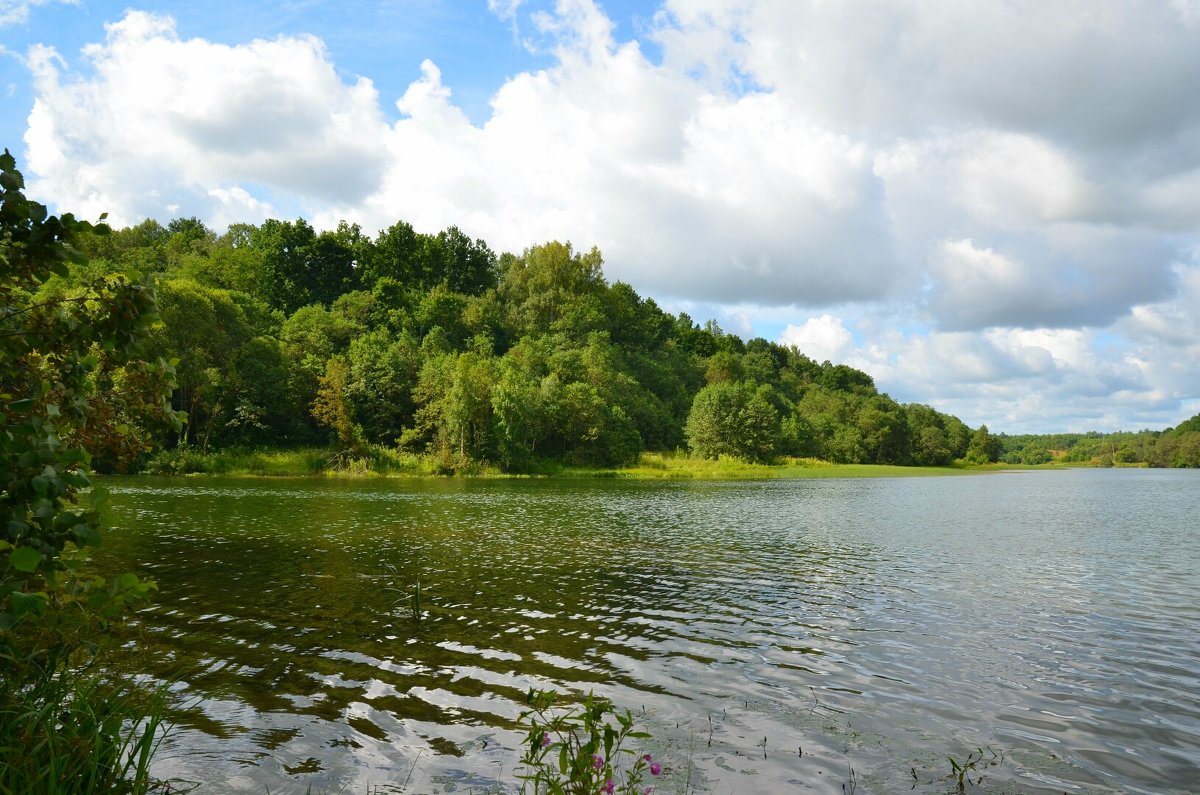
992, 208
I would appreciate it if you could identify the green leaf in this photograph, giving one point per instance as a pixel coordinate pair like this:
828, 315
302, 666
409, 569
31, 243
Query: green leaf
21, 405
22, 603
86, 536
25, 559
100, 497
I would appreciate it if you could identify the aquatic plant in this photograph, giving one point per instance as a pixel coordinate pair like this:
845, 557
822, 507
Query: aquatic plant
583, 748
79, 731
961, 772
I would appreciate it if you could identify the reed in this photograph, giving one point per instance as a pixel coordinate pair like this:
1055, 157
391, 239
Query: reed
73, 732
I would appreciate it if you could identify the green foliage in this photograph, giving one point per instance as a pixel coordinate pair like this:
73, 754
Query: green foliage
449, 259
1173, 447
984, 448
554, 288
302, 267
69, 732
51, 350
582, 749
331, 406
1035, 455
566, 368
248, 461
733, 419
431, 342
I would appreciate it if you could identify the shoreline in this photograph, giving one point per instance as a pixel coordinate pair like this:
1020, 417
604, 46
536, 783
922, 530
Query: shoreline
315, 463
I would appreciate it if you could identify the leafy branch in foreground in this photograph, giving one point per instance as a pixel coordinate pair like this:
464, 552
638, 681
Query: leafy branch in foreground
582, 749
64, 728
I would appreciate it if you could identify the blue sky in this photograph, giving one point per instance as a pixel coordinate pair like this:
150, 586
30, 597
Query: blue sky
992, 208
474, 47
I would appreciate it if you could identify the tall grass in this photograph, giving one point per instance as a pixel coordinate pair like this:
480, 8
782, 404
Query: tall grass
375, 460
378, 460
74, 732
680, 466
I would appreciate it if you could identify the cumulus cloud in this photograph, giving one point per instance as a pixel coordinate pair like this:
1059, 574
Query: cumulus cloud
1041, 380
159, 122
823, 338
1000, 200
737, 194
1122, 74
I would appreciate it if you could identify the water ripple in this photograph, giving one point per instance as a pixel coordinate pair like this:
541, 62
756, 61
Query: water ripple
880, 625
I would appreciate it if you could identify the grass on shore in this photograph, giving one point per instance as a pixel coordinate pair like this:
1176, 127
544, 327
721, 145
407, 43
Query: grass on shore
386, 462
668, 466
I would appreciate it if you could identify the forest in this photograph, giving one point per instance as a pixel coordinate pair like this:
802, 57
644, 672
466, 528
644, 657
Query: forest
1171, 447
279, 335
283, 336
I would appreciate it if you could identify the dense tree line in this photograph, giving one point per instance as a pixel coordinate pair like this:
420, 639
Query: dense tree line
283, 335
1172, 447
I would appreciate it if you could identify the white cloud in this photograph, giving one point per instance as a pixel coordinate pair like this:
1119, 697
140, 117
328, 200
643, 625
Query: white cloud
823, 338
999, 199
1049, 243
162, 121
1188, 11
1111, 74
16, 12
1037, 380
504, 9
606, 148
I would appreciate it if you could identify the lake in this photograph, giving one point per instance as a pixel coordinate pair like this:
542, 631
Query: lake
773, 636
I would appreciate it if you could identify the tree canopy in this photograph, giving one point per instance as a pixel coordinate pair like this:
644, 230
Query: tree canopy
433, 343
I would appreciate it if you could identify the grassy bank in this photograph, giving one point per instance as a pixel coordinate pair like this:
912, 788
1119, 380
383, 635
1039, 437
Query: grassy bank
667, 466
384, 462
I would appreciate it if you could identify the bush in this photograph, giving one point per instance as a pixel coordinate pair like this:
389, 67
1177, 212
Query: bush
64, 727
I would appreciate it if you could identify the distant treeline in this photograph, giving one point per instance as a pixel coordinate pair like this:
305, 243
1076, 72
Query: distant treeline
1173, 447
282, 335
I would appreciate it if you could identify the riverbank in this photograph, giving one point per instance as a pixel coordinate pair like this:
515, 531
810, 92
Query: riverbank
382, 462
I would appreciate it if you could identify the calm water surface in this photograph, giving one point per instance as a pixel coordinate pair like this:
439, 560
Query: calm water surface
774, 636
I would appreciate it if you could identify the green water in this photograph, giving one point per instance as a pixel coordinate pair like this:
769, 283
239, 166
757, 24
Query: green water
873, 625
